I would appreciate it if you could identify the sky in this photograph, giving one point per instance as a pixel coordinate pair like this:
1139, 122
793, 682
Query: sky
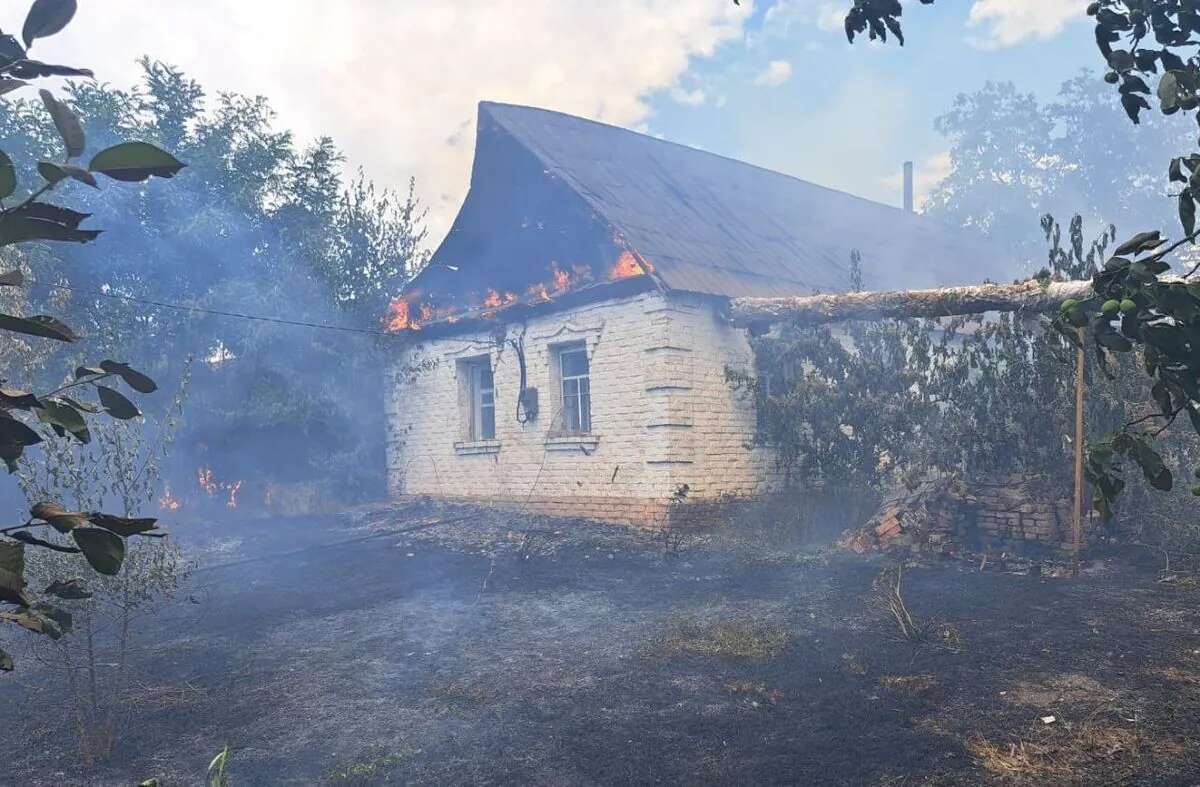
772, 82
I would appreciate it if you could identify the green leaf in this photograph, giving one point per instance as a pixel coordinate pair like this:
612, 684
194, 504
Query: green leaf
12, 573
135, 161
36, 69
132, 377
59, 518
47, 17
216, 769
122, 526
116, 405
1168, 91
1187, 213
16, 228
55, 173
1120, 60
26, 537
17, 399
58, 215
9, 85
52, 173
68, 589
8, 176
1175, 171
32, 620
60, 616
40, 619
62, 415
1152, 465
38, 325
1143, 241
67, 123
13, 432
103, 550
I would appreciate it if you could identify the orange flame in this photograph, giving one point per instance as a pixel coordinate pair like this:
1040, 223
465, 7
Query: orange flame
204, 478
208, 482
168, 502
562, 279
627, 265
397, 317
538, 292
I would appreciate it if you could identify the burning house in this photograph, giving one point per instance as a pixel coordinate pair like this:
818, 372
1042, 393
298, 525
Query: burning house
566, 348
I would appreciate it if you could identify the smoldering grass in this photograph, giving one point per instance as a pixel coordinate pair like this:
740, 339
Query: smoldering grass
728, 638
372, 767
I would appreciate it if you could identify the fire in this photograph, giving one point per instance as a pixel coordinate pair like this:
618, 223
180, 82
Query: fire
397, 318
627, 265
233, 492
168, 502
538, 292
209, 483
204, 478
562, 279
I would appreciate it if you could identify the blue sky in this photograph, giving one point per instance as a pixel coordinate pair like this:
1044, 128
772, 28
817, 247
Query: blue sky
773, 82
850, 115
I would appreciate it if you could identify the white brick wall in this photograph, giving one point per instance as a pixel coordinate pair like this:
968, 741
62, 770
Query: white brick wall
662, 413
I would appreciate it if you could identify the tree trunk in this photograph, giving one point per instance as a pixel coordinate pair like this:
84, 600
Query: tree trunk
1030, 296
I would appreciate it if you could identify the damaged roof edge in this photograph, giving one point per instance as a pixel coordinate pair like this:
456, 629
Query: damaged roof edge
519, 312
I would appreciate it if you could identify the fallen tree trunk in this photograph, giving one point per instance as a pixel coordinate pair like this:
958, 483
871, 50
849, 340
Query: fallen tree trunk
1030, 296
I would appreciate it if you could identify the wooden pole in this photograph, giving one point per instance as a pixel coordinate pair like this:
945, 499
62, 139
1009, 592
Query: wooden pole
1077, 514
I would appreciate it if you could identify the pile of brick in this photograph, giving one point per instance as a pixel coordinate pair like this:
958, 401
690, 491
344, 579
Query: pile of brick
926, 519
1014, 516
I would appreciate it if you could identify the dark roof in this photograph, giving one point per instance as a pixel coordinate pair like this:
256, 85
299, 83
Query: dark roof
714, 225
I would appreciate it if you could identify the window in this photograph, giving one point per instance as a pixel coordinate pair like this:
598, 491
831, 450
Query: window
483, 401
576, 389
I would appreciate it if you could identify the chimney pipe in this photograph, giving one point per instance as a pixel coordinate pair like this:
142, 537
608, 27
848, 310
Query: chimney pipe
908, 187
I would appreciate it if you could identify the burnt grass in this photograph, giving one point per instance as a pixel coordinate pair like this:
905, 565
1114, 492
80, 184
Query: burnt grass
341, 651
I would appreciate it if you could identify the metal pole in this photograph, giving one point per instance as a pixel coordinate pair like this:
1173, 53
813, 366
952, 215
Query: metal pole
1077, 518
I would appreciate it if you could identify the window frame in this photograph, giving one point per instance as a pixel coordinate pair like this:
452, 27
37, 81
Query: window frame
582, 394
480, 399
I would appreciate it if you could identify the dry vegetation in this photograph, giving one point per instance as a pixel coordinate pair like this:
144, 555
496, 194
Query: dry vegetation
597, 659
735, 638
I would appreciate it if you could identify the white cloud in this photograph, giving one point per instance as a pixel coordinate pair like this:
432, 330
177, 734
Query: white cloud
926, 176
1011, 22
395, 82
785, 16
689, 98
776, 73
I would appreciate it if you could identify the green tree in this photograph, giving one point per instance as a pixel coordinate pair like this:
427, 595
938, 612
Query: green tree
1133, 307
262, 225
26, 217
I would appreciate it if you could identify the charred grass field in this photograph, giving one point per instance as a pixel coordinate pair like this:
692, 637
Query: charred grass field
487, 648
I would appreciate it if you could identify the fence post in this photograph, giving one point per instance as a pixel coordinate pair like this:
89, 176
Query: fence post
1077, 514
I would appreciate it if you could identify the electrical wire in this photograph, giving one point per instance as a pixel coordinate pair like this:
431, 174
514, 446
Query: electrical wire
214, 312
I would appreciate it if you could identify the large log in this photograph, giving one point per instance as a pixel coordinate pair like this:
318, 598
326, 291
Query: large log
1030, 296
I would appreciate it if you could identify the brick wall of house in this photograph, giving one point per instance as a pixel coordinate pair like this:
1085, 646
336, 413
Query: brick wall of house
663, 414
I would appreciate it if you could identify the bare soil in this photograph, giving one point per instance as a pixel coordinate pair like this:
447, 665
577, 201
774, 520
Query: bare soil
494, 649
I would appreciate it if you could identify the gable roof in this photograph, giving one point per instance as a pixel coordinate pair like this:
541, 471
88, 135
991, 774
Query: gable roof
709, 224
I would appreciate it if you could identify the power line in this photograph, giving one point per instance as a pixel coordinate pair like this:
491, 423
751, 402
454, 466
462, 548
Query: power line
213, 312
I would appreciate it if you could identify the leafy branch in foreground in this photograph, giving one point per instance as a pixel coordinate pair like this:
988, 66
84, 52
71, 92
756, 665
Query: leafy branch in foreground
32, 219
1132, 307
